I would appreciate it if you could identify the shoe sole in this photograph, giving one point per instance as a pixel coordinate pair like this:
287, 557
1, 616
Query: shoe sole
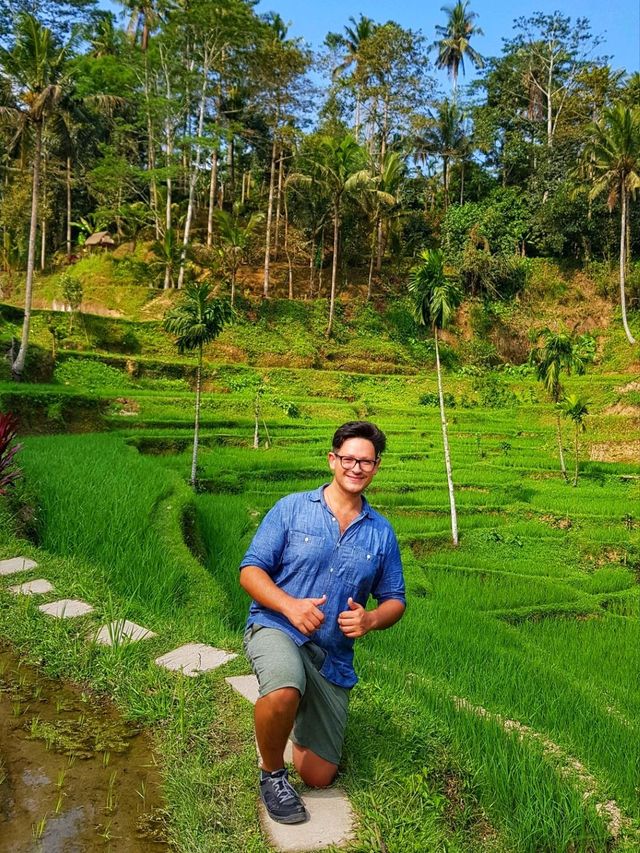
291, 819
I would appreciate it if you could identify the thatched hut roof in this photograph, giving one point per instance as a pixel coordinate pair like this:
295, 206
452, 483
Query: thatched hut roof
100, 238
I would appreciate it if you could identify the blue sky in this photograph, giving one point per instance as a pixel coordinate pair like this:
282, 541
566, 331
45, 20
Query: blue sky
618, 23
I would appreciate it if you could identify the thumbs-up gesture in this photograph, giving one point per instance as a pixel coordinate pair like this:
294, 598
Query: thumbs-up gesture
354, 622
305, 614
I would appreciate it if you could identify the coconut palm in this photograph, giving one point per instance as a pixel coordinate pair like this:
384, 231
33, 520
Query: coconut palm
575, 409
613, 157
35, 69
197, 320
436, 297
338, 166
555, 354
352, 40
444, 136
379, 202
454, 42
234, 239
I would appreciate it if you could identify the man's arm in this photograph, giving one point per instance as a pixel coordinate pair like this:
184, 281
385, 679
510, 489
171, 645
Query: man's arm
356, 621
303, 613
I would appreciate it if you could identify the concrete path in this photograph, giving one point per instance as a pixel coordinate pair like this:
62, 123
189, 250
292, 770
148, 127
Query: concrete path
331, 818
194, 658
66, 608
37, 587
122, 631
16, 564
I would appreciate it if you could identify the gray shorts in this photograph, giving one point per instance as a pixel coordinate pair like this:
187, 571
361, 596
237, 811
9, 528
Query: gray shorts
322, 714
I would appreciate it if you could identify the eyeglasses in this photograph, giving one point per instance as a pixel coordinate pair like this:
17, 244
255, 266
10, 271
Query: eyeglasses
350, 462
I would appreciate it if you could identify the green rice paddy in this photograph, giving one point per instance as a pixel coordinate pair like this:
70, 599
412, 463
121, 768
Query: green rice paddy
503, 712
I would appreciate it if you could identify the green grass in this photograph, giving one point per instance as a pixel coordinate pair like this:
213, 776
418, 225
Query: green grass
534, 618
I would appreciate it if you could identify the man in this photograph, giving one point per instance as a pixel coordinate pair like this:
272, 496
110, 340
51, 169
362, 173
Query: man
310, 568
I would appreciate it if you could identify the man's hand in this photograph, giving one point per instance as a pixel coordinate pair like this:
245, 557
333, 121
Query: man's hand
304, 614
356, 621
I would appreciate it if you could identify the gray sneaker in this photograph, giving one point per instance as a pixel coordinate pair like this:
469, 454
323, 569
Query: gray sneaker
280, 798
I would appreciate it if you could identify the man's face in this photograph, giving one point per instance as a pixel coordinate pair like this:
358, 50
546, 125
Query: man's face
353, 480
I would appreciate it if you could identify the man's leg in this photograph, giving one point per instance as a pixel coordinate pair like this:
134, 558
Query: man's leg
274, 715
320, 723
314, 771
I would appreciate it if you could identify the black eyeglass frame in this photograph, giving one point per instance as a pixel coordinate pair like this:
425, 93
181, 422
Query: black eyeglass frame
360, 462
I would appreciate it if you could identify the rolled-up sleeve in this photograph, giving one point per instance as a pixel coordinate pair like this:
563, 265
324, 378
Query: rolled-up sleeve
267, 546
390, 580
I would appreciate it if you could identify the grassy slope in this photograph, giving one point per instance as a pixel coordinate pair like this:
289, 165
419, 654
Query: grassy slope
534, 618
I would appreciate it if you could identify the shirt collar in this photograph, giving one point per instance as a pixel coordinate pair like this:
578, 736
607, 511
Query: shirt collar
317, 495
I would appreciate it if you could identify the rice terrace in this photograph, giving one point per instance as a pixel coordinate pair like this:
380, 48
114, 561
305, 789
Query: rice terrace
218, 246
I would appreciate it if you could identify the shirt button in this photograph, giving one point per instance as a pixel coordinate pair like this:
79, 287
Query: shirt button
306, 538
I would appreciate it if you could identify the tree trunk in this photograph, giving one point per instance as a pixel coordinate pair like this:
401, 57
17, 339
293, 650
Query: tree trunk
334, 265
68, 208
196, 428
286, 244
195, 168
17, 366
151, 152
370, 282
213, 190
267, 247
380, 245
577, 449
276, 236
256, 424
623, 261
563, 466
445, 442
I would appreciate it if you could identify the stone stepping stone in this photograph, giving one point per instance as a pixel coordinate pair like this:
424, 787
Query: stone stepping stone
66, 608
122, 631
194, 658
16, 564
331, 818
37, 587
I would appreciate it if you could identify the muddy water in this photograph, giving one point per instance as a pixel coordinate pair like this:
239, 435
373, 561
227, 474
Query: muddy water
74, 776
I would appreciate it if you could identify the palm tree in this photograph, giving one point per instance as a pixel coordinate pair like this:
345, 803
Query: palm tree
453, 44
352, 40
35, 68
575, 408
379, 201
338, 165
436, 297
554, 354
197, 321
234, 239
613, 157
445, 137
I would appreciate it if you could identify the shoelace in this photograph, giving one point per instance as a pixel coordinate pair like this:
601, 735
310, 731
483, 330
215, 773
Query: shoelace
284, 789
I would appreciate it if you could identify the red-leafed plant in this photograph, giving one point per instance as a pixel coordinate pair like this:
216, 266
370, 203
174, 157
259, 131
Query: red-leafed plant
8, 449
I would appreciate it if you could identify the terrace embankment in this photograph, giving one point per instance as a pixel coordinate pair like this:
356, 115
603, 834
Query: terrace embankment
73, 774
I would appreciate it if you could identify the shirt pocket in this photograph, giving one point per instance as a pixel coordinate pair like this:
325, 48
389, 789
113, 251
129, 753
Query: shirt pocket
360, 570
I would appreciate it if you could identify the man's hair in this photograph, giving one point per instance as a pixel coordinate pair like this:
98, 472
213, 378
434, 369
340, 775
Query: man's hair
360, 429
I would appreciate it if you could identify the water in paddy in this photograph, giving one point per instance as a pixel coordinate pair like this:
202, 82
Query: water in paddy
74, 776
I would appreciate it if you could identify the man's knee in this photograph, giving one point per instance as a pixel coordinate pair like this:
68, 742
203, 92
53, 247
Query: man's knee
318, 777
313, 770
281, 701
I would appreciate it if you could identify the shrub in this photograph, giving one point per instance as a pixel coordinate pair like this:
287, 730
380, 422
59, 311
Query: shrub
8, 449
89, 375
432, 399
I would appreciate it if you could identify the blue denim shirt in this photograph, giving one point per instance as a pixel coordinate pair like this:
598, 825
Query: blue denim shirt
300, 547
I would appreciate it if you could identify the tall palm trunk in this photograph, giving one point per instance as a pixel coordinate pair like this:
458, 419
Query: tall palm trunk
196, 430
18, 365
563, 466
213, 191
68, 176
195, 169
276, 236
577, 451
623, 260
267, 247
334, 265
445, 442
371, 259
